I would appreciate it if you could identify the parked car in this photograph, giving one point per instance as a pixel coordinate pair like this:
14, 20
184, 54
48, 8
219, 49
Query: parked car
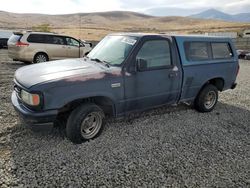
246, 33
40, 47
242, 53
87, 43
3, 43
247, 56
125, 73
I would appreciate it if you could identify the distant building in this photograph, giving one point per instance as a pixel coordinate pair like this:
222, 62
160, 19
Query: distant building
223, 34
246, 33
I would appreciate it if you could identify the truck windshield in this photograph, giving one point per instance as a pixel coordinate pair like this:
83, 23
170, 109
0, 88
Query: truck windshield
113, 49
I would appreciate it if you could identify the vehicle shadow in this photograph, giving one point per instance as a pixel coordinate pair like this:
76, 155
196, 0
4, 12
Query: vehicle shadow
58, 130
32, 153
18, 64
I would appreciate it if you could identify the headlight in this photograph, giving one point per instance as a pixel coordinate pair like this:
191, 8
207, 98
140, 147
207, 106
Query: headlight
30, 99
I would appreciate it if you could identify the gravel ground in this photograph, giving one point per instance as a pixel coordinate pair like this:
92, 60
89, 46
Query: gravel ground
174, 146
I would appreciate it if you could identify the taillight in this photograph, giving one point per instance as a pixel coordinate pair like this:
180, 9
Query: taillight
21, 44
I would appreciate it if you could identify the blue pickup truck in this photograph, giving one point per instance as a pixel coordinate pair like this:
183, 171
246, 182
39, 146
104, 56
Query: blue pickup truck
124, 73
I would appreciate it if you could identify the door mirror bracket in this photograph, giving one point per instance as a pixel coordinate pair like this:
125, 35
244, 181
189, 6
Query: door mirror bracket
142, 64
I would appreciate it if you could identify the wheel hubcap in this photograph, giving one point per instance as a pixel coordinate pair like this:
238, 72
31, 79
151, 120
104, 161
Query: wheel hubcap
91, 125
210, 99
41, 58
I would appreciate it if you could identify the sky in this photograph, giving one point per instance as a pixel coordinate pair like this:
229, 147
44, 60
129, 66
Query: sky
75, 6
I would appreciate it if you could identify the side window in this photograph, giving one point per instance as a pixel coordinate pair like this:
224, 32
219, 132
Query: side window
49, 39
56, 40
72, 42
221, 50
196, 51
156, 53
36, 38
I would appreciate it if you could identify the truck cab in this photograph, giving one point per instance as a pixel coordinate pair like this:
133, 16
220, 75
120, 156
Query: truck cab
124, 73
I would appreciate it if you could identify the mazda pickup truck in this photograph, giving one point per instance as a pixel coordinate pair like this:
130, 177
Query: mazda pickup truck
125, 73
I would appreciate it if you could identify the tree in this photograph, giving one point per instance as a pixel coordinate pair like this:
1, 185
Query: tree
42, 28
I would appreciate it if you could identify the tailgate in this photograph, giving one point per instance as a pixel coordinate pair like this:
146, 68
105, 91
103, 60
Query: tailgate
16, 37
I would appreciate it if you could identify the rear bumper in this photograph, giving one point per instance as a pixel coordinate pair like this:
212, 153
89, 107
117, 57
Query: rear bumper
19, 55
31, 117
13, 54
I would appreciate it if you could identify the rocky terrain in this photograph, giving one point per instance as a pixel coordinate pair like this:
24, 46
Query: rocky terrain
168, 146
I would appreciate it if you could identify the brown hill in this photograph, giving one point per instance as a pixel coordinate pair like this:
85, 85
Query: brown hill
95, 25
15, 20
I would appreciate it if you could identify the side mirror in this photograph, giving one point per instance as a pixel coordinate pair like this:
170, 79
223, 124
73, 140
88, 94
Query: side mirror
82, 45
142, 64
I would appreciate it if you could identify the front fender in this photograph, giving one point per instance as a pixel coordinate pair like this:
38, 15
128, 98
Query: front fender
57, 97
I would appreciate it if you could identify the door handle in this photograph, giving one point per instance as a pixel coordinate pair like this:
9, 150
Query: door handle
172, 74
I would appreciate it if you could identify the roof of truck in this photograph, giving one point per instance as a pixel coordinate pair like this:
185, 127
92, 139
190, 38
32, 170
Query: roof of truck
170, 35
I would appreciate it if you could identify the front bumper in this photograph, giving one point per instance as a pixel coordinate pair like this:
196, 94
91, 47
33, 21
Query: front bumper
32, 117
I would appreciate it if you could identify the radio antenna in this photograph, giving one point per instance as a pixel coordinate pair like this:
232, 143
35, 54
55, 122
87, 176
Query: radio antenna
79, 35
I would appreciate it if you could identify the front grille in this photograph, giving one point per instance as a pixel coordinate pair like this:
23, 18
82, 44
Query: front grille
18, 90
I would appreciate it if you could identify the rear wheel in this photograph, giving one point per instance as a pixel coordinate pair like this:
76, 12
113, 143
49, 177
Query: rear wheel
41, 57
206, 99
84, 123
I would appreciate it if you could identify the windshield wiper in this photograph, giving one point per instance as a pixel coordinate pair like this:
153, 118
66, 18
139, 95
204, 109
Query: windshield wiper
100, 61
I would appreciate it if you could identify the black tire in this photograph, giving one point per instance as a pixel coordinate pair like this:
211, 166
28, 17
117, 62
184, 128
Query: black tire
40, 57
201, 103
26, 62
77, 120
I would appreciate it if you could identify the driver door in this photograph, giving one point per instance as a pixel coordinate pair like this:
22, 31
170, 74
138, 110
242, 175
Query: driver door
157, 79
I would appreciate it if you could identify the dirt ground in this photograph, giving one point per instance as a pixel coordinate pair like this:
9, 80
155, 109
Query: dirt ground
169, 146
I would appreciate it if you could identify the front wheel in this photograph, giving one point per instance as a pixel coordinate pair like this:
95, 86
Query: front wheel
206, 99
84, 123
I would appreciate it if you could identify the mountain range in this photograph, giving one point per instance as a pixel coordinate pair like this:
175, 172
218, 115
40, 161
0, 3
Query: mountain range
172, 11
218, 15
201, 13
95, 25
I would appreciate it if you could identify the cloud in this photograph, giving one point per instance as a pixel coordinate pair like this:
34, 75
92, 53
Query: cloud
242, 6
73, 6
139, 4
39, 6
59, 6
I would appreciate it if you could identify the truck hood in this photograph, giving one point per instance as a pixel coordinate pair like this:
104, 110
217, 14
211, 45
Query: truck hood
43, 72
